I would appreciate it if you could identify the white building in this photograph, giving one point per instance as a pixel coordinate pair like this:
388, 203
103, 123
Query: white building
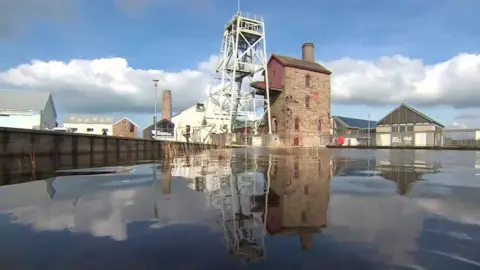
194, 117
96, 125
27, 110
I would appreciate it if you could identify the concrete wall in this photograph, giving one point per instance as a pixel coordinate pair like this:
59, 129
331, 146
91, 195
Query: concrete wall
23, 143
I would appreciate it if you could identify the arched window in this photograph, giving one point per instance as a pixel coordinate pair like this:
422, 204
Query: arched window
319, 125
307, 102
297, 124
307, 81
296, 141
274, 125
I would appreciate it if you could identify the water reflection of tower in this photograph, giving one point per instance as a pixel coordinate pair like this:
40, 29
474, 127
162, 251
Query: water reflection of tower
299, 194
243, 223
232, 187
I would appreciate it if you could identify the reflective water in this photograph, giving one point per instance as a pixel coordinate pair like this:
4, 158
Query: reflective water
246, 209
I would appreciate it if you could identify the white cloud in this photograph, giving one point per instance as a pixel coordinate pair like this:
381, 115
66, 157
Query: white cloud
396, 79
107, 84
110, 84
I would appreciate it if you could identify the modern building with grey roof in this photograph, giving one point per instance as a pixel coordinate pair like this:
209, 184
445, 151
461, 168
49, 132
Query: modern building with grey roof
27, 109
406, 126
89, 124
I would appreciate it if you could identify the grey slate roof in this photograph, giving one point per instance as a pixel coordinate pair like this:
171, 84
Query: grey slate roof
89, 119
20, 100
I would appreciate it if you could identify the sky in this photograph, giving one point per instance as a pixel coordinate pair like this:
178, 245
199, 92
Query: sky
99, 57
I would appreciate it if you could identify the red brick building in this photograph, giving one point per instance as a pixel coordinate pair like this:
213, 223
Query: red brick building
126, 128
300, 99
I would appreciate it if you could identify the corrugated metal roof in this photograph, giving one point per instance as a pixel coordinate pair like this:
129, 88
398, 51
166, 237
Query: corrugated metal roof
88, 119
356, 123
21, 100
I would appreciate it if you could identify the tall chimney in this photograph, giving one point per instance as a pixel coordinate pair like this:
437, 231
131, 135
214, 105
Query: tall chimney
167, 105
308, 52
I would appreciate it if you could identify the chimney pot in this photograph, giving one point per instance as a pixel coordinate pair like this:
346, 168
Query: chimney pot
308, 52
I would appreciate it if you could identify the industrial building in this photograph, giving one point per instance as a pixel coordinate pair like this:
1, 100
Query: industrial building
353, 131
27, 110
405, 126
300, 99
95, 125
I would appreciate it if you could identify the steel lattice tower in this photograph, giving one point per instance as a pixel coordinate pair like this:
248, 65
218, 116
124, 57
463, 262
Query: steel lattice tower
242, 57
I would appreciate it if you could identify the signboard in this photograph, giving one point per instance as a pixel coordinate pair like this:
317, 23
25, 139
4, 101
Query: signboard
163, 134
402, 139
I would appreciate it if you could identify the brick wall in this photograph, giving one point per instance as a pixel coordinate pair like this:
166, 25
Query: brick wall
291, 104
125, 128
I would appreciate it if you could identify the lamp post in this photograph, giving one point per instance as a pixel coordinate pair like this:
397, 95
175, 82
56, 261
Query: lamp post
368, 129
155, 84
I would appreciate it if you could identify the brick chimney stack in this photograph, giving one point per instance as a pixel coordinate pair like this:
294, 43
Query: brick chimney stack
308, 52
167, 105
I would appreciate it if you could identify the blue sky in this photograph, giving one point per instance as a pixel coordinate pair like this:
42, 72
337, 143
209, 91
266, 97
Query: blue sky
177, 35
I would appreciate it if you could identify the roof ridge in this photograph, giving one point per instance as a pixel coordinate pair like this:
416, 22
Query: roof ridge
355, 118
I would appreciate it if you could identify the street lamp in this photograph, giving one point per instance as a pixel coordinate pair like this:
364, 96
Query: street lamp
155, 84
368, 129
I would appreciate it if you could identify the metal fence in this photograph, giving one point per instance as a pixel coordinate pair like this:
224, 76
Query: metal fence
362, 137
461, 137
450, 138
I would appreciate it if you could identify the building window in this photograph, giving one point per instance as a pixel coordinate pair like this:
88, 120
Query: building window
274, 125
89, 129
297, 124
273, 73
132, 128
307, 102
200, 107
296, 141
319, 125
307, 81
409, 128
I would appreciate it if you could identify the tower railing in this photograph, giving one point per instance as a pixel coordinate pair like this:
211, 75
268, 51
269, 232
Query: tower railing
248, 15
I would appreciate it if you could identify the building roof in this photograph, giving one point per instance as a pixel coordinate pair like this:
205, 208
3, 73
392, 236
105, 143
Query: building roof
126, 118
160, 122
355, 122
88, 119
413, 111
301, 64
18, 100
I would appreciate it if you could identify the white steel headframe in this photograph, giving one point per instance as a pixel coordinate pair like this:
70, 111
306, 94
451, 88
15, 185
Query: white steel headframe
242, 55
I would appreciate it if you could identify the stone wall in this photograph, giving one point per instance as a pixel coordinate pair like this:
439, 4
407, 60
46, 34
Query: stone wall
291, 104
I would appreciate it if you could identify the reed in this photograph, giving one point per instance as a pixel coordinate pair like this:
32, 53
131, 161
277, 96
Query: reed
33, 162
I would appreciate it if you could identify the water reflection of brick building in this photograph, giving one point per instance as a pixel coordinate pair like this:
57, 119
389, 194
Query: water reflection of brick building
299, 195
